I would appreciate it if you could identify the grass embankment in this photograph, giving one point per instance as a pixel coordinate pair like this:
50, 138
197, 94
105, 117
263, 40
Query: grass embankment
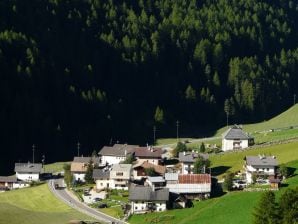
287, 119
35, 205
233, 161
55, 167
232, 208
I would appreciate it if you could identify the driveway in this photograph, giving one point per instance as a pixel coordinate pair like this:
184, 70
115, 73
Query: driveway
71, 200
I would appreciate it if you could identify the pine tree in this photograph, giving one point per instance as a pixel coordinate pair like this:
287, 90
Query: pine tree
266, 210
159, 115
190, 93
89, 173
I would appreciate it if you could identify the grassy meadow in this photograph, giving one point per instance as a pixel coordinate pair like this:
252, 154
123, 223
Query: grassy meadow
35, 205
233, 208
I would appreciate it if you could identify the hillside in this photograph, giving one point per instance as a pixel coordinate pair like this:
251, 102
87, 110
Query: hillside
99, 72
35, 205
284, 120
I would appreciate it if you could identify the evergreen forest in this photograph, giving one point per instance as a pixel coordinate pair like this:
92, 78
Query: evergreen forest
102, 71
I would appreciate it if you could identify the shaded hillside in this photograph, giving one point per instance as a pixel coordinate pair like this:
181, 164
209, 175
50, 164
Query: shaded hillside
101, 71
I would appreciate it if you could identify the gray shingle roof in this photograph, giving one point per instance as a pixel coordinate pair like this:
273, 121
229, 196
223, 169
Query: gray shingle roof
28, 167
148, 152
85, 159
10, 179
145, 193
116, 150
171, 176
121, 167
261, 161
236, 132
191, 156
101, 174
157, 179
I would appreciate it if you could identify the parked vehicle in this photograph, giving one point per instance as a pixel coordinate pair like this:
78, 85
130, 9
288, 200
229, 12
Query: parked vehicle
102, 205
96, 199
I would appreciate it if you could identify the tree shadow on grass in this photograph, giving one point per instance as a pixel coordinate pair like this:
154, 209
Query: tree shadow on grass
291, 171
216, 189
218, 170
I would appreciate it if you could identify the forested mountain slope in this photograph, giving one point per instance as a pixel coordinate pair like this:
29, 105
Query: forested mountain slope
101, 71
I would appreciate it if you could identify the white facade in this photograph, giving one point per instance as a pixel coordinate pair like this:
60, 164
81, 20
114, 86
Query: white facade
144, 206
264, 170
187, 168
18, 185
27, 176
190, 188
112, 159
103, 183
149, 160
79, 176
234, 144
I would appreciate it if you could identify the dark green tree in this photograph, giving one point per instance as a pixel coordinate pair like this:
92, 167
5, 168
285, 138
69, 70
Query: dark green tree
284, 171
288, 205
89, 173
190, 93
202, 147
266, 212
150, 172
228, 181
159, 115
68, 177
180, 147
201, 165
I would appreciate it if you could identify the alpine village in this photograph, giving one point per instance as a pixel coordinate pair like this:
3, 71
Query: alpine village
166, 111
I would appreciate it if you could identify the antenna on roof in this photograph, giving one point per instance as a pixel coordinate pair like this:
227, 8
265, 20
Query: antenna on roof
33, 149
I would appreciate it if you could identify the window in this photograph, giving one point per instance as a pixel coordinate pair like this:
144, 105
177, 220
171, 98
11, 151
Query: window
136, 208
159, 209
101, 184
267, 169
119, 174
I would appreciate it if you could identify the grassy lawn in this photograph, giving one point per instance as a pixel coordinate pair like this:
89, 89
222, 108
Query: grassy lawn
34, 206
233, 161
232, 208
54, 167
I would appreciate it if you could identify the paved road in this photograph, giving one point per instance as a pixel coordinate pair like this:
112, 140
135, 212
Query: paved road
72, 201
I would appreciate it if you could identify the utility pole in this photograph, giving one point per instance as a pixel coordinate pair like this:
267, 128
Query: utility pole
294, 99
43, 162
177, 125
33, 149
154, 131
78, 148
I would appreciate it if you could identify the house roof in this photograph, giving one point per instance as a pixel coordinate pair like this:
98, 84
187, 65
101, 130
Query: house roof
261, 160
10, 179
145, 193
171, 176
28, 167
78, 167
194, 178
191, 156
157, 179
236, 132
148, 152
157, 168
116, 150
121, 167
85, 159
101, 174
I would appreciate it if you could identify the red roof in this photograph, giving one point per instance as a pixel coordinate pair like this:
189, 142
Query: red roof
148, 152
194, 178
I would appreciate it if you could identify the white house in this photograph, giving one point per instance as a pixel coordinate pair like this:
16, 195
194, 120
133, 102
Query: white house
155, 183
117, 177
189, 185
102, 178
235, 138
148, 154
144, 199
11, 182
262, 166
115, 154
28, 171
79, 166
187, 160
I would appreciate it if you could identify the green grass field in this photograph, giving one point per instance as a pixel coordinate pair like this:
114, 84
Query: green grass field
286, 119
55, 167
233, 161
35, 205
232, 208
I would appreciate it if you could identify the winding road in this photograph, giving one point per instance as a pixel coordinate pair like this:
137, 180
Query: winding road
71, 200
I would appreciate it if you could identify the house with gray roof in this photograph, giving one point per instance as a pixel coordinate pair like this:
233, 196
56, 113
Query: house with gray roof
264, 167
115, 154
235, 138
144, 199
187, 160
11, 182
116, 177
28, 171
102, 178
